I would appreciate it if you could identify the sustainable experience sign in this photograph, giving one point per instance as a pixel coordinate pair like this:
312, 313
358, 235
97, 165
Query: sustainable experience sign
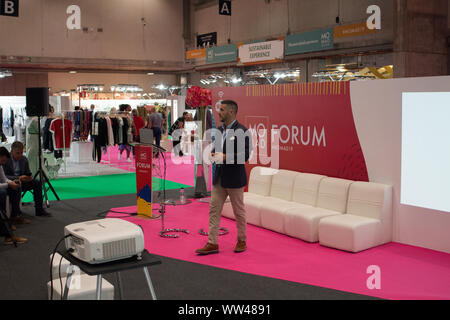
262, 51
310, 41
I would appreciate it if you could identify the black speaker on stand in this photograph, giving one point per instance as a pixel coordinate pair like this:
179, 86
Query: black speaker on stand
38, 106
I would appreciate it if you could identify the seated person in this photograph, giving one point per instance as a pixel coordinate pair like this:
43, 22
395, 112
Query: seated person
17, 168
11, 188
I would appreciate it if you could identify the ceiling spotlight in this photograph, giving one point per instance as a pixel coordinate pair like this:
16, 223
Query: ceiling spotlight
150, 74
73, 72
161, 87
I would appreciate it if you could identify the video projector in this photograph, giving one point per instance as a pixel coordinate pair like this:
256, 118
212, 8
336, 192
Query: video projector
104, 240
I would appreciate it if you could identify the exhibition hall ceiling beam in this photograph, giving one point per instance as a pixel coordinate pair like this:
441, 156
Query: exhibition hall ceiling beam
94, 65
201, 4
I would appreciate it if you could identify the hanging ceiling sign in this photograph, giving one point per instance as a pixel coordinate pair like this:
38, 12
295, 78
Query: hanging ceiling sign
9, 8
196, 54
352, 30
261, 52
207, 40
227, 53
225, 7
310, 41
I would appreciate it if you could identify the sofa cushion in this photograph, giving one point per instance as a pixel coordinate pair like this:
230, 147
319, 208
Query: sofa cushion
369, 199
303, 223
333, 194
372, 200
272, 213
260, 180
349, 232
306, 187
282, 184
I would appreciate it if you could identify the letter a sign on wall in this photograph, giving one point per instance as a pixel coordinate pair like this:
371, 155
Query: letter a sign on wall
225, 7
9, 8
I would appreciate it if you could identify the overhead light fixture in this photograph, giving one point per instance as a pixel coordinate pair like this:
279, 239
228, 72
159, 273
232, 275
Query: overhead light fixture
126, 88
161, 87
150, 74
5, 73
72, 72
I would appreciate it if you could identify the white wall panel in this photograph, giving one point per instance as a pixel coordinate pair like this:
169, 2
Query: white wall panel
377, 110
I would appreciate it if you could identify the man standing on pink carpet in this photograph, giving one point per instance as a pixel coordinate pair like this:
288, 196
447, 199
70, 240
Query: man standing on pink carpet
230, 177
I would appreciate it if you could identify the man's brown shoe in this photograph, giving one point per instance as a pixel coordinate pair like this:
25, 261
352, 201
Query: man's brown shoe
241, 246
10, 240
20, 220
208, 249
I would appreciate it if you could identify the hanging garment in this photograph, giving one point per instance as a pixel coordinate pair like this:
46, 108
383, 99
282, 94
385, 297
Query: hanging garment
6, 124
100, 135
47, 140
62, 133
120, 120
110, 131
86, 125
11, 122
1, 119
126, 130
115, 128
130, 131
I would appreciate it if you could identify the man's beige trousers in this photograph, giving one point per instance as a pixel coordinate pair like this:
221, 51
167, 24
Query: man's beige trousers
218, 197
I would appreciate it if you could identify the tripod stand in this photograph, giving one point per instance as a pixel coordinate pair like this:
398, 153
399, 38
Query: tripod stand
42, 175
162, 210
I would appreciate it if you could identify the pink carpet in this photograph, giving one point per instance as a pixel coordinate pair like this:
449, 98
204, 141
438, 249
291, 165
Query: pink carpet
407, 272
180, 173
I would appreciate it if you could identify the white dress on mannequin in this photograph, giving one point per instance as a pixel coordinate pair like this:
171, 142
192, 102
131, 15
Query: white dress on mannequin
32, 151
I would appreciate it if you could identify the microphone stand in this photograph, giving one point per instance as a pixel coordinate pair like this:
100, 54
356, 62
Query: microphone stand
162, 210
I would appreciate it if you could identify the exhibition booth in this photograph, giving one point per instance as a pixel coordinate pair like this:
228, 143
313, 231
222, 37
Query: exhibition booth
352, 173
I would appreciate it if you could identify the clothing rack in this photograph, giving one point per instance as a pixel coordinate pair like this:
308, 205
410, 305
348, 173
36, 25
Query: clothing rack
112, 114
109, 114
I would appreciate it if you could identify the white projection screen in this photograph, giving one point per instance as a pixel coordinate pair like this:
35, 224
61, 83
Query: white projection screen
425, 173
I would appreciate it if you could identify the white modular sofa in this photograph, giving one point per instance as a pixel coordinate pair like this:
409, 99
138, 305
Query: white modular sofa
343, 214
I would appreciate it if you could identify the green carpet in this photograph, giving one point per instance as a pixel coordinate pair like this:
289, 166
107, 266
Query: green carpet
99, 186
